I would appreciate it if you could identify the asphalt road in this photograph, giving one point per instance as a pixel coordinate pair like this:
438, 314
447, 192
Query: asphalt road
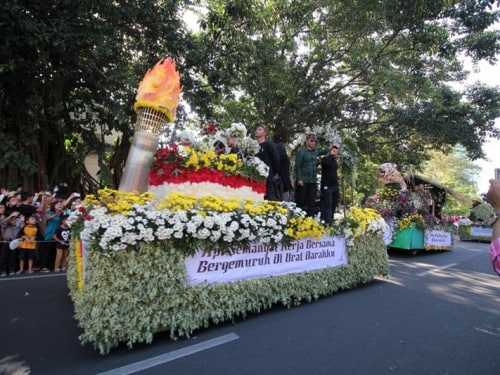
437, 313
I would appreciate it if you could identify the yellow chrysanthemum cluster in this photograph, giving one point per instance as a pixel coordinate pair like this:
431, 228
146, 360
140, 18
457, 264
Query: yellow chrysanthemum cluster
362, 216
388, 193
407, 222
209, 159
179, 201
118, 201
301, 227
79, 264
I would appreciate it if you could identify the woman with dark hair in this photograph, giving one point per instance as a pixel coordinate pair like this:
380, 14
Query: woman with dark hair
219, 147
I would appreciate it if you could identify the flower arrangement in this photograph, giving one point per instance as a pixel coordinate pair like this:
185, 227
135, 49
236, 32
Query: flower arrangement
249, 146
113, 221
210, 128
190, 222
362, 221
237, 130
181, 167
403, 207
408, 221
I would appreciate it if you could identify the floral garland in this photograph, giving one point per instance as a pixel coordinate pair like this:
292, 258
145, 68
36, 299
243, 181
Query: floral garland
211, 223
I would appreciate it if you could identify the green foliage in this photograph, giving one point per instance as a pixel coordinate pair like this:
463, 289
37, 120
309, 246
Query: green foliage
464, 233
71, 68
483, 213
131, 295
454, 170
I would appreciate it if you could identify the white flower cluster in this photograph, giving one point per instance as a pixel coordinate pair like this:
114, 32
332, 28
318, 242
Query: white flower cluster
258, 164
114, 232
186, 136
202, 189
236, 130
249, 146
465, 221
379, 226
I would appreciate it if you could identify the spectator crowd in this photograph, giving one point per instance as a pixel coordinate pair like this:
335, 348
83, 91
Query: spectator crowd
34, 235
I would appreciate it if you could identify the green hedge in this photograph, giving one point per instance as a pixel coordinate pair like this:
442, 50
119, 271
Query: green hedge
465, 235
129, 296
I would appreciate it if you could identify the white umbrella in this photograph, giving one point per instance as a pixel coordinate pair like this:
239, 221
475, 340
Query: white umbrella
14, 244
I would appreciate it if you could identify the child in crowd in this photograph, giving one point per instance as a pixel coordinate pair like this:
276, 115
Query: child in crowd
29, 236
9, 231
62, 236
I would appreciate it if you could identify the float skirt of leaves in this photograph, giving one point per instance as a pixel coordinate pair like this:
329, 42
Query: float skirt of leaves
130, 295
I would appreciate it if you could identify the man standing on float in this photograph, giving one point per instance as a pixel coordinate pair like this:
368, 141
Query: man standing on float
330, 192
269, 156
306, 172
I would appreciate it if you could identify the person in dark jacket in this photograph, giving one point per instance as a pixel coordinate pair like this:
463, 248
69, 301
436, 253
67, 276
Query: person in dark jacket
330, 192
284, 172
269, 156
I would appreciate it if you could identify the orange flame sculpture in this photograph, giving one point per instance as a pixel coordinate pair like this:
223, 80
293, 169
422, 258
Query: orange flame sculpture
156, 103
160, 89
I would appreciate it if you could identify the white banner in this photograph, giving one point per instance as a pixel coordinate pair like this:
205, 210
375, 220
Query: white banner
437, 238
481, 231
258, 260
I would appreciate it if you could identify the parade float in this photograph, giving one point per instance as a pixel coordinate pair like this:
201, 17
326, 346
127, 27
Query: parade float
479, 225
411, 207
196, 244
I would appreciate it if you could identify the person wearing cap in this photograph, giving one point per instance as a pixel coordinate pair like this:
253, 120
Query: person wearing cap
330, 191
269, 156
306, 162
493, 197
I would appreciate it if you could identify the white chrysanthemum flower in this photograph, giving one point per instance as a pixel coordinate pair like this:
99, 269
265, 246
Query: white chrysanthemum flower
191, 227
164, 233
203, 234
249, 146
215, 235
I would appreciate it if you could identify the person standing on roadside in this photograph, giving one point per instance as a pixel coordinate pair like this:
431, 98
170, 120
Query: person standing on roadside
306, 162
9, 230
62, 237
493, 197
53, 221
29, 236
330, 191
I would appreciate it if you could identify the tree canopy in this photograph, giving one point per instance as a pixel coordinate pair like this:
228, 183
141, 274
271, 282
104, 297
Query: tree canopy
375, 71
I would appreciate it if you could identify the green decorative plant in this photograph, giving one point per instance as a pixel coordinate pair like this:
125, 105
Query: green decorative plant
128, 296
483, 213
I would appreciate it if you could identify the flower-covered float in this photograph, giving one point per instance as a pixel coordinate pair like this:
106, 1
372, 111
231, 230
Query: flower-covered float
411, 209
196, 250
478, 226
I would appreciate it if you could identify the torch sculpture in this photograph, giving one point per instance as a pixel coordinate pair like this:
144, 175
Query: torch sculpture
156, 103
